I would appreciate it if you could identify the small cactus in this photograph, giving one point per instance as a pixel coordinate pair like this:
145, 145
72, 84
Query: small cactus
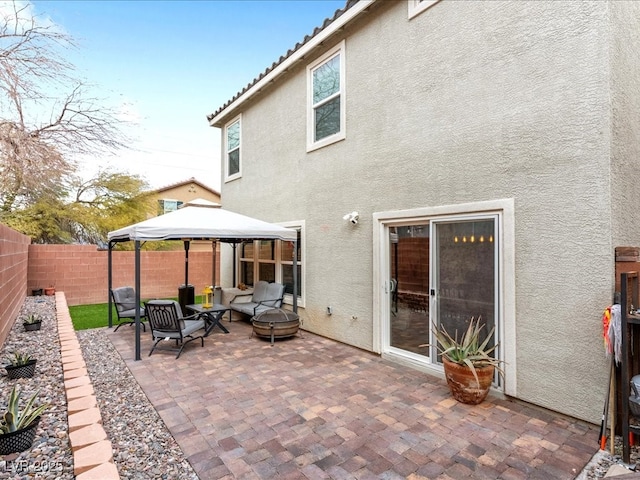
14, 419
20, 359
32, 318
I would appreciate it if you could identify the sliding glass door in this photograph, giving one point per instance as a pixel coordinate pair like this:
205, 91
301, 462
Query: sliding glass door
409, 261
441, 272
464, 275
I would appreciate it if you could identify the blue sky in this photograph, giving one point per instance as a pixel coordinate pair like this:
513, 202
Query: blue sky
168, 64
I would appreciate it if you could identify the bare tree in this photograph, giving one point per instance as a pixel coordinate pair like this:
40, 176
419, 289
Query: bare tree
46, 118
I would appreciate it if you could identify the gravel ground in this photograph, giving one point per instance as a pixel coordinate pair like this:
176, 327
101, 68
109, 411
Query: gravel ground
142, 445
143, 448
602, 461
50, 456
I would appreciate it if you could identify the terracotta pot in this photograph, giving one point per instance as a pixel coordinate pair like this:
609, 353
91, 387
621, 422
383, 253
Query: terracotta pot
50, 291
463, 384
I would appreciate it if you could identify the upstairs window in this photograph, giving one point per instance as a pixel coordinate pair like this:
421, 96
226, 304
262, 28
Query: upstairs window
326, 94
418, 6
232, 150
166, 206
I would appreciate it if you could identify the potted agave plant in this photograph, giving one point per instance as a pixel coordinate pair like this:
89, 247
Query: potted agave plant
32, 322
469, 366
21, 365
18, 427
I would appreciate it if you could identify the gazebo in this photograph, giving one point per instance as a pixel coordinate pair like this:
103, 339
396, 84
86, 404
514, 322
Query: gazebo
197, 220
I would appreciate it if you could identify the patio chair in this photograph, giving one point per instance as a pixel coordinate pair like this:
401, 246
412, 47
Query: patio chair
167, 323
124, 298
265, 296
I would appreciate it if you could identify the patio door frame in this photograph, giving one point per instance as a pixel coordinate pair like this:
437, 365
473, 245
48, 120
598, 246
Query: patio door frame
503, 210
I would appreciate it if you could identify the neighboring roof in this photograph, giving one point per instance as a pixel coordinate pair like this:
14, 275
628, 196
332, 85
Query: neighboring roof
186, 182
329, 27
201, 219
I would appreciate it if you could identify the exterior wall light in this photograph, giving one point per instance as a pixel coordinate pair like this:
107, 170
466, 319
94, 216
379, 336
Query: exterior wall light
352, 217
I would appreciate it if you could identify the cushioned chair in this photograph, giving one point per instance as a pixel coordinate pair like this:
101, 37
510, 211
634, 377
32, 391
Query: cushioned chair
167, 323
124, 298
265, 296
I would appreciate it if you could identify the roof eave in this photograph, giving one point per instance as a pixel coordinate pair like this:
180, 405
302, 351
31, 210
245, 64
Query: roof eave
218, 119
183, 183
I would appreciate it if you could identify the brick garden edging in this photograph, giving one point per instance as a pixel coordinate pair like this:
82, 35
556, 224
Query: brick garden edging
90, 445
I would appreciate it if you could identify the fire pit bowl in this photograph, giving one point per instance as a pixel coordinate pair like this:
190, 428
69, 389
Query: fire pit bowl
276, 323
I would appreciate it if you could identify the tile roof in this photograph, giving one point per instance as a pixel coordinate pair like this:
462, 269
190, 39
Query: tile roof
186, 182
328, 21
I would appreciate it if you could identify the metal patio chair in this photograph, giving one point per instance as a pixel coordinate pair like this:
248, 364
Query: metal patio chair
124, 299
168, 324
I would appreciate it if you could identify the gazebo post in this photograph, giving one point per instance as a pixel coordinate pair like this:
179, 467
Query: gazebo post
110, 282
137, 283
234, 245
213, 273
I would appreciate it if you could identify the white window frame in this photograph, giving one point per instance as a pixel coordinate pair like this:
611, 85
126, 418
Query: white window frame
227, 177
312, 144
288, 298
416, 7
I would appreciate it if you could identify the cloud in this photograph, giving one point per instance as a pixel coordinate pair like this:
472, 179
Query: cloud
21, 15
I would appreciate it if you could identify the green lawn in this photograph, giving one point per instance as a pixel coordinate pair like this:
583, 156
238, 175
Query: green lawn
84, 317
91, 316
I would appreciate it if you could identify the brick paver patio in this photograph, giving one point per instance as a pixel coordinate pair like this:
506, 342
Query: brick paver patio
314, 408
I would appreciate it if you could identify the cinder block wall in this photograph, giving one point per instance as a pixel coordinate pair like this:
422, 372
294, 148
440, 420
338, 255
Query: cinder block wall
14, 251
81, 271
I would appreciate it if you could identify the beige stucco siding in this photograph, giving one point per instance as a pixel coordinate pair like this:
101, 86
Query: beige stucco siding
625, 98
467, 102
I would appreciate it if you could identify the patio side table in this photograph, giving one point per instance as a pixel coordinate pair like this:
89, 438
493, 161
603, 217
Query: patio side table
212, 316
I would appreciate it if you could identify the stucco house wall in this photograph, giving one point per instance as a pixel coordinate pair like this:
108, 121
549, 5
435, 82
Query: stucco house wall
625, 131
186, 191
468, 102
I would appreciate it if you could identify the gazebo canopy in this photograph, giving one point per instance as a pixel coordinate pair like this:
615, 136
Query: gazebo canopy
201, 219
197, 220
